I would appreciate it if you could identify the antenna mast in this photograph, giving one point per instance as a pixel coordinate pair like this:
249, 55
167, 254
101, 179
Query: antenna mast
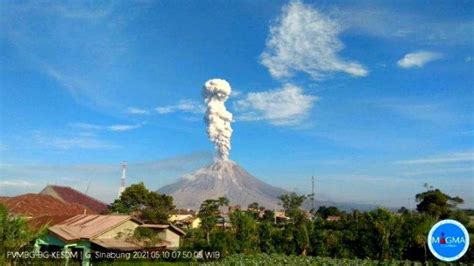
122, 181
312, 193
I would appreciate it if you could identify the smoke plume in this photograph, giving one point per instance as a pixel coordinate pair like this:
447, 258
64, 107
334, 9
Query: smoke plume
217, 118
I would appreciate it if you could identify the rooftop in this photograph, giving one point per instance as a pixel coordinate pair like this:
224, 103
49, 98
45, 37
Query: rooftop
68, 194
88, 226
36, 205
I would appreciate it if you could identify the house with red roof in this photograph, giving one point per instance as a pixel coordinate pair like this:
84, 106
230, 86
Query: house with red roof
43, 209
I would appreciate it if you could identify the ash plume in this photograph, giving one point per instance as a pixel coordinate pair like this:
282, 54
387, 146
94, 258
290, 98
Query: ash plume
217, 118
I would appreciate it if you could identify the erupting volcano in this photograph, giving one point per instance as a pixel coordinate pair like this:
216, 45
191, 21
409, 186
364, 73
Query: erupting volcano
224, 177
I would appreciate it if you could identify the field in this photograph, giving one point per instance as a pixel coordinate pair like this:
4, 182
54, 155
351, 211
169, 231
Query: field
278, 259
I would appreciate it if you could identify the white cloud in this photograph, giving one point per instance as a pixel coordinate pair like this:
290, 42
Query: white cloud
440, 171
281, 107
431, 112
123, 127
186, 106
448, 158
17, 183
117, 128
137, 111
377, 19
304, 39
71, 142
418, 59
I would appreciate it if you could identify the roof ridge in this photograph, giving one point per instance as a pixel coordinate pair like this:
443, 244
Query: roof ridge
92, 198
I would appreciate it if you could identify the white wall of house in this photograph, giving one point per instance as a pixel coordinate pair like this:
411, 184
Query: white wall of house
124, 230
171, 237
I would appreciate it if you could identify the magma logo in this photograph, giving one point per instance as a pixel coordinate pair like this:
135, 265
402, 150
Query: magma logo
448, 240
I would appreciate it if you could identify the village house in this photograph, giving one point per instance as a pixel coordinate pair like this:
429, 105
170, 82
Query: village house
100, 233
333, 218
185, 218
40, 210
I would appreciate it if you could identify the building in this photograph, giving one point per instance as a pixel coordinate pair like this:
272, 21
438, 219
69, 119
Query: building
90, 234
191, 222
181, 214
42, 210
185, 218
280, 216
333, 218
168, 232
70, 195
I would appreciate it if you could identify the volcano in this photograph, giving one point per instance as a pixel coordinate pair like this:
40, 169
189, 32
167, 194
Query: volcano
223, 178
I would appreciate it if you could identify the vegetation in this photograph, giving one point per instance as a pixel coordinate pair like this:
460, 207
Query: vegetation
256, 236
209, 214
15, 235
149, 206
379, 235
280, 259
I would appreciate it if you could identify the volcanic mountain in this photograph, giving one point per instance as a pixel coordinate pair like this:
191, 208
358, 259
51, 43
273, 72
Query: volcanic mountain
222, 178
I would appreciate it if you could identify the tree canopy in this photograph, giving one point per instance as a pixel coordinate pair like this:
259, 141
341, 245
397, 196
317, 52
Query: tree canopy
149, 206
436, 203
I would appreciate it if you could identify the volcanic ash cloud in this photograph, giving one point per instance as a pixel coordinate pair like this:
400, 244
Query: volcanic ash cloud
217, 118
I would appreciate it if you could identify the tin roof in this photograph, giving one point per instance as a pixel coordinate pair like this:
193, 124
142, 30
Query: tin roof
87, 226
68, 194
36, 205
164, 226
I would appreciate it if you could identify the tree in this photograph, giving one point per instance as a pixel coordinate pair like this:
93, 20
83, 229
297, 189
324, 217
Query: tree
296, 231
291, 203
386, 227
245, 229
150, 206
14, 233
158, 208
436, 203
268, 216
403, 210
325, 212
209, 214
254, 210
415, 230
268, 237
253, 206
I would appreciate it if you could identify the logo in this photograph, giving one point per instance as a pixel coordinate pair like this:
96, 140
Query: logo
448, 240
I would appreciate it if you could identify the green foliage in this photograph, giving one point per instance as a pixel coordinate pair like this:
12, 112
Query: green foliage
292, 203
268, 216
324, 212
209, 214
223, 241
436, 203
149, 206
146, 235
279, 259
15, 234
245, 230
383, 236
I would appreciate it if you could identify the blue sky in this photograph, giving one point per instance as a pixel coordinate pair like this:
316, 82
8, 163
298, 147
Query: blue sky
373, 98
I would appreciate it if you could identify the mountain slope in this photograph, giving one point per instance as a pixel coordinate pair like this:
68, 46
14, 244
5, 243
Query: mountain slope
222, 178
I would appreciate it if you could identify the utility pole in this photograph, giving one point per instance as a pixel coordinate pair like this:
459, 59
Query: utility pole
312, 193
